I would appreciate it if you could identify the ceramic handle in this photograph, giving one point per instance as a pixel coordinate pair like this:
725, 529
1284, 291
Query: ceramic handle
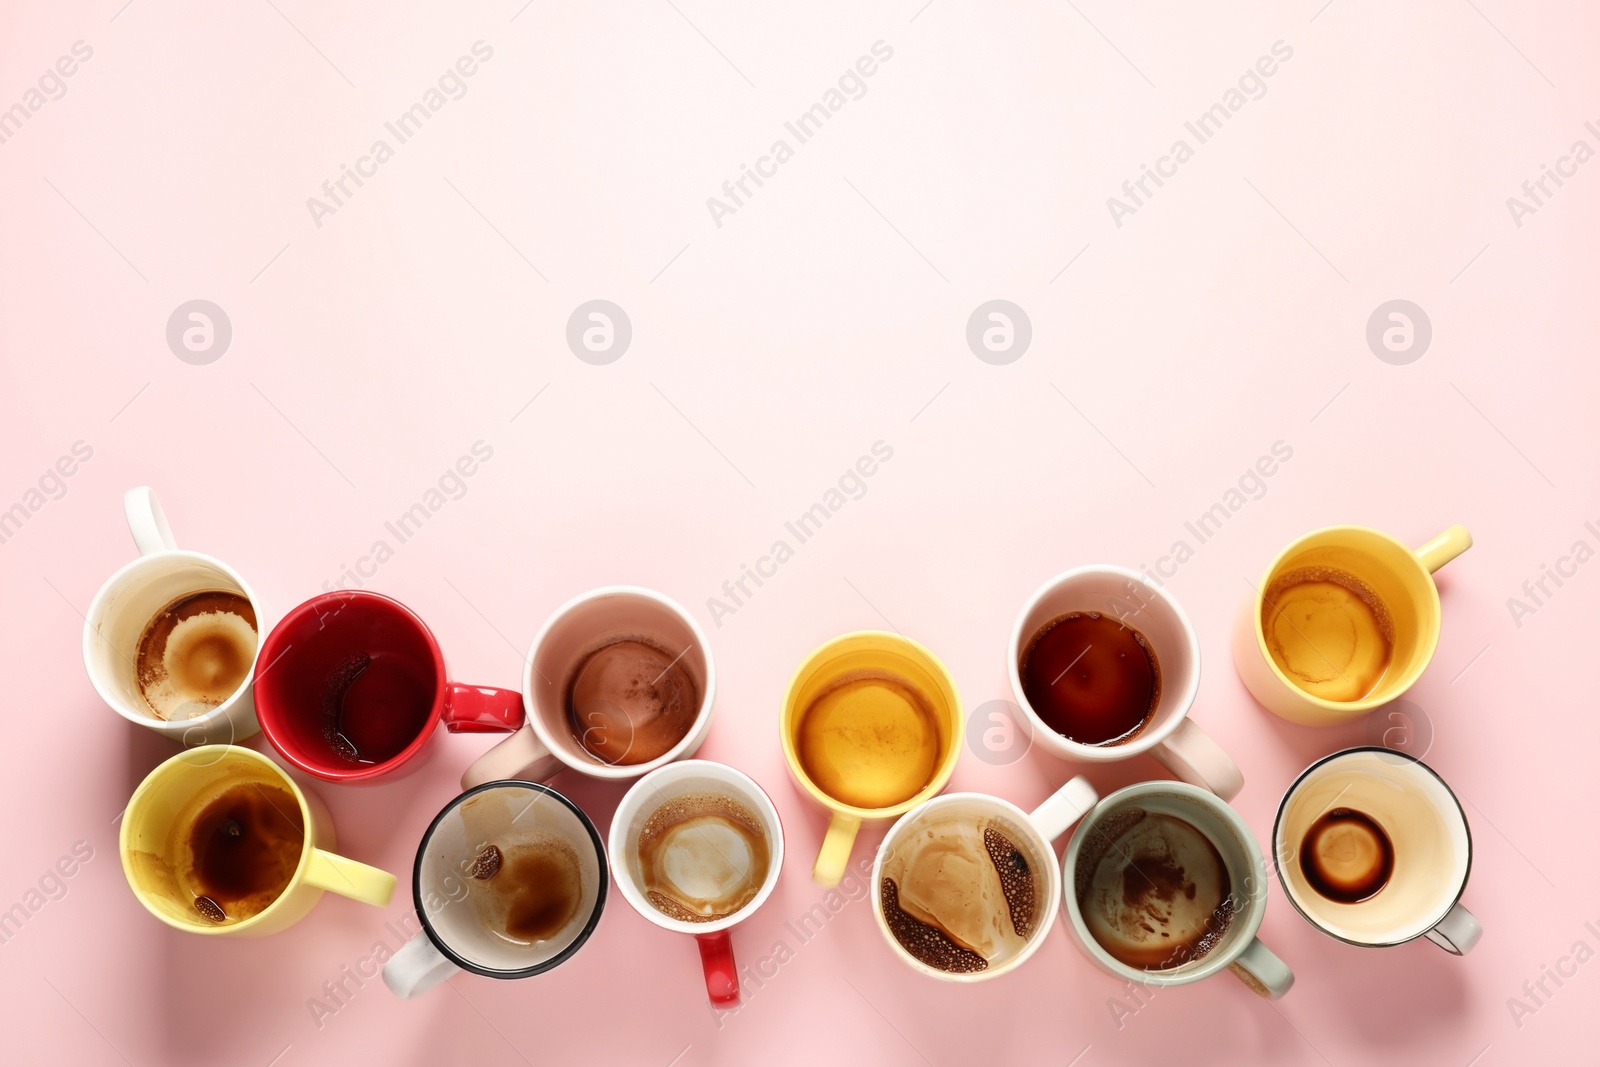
522, 755
1190, 754
722, 973
1260, 968
482, 709
416, 968
147, 521
350, 879
1444, 548
836, 846
1459, 931
1063, 808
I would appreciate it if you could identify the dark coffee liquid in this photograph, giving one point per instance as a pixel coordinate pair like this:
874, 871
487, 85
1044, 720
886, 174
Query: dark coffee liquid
1346, 856
243, 849
195, 653
1091, 679
374, 706
526, 891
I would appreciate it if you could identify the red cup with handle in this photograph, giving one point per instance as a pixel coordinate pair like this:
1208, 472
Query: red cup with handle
696, 848
351, 685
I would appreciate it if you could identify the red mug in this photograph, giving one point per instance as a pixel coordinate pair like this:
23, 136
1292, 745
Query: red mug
352, 685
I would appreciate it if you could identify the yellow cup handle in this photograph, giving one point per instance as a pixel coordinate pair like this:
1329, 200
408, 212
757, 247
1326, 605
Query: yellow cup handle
836, 846
349, 878
1444, 548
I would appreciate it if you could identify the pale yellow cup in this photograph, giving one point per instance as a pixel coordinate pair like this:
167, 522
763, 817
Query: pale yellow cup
148, 842
872, 652
1401, 577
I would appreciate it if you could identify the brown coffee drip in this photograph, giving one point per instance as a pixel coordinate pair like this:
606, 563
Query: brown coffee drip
195, 653
1346, 856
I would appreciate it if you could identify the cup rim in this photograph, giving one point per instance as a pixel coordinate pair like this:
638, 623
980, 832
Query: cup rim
942, 773
92, 634
296, 881
263, 700
1349, 709
1047, 921
1277, 865
544, 965
1212, 962
687, 769
597, 769
1065, 747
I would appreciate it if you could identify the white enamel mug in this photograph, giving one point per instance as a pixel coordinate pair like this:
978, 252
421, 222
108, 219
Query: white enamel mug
132, 597
1432, 850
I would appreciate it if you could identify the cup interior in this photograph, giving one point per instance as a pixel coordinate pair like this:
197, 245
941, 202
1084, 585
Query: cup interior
1390, 570
1124, 595
980, 811
153, 854
127, 604
1246, 869
660, 787
1423, 821
591, 622
305, 657
871, 653
507, 815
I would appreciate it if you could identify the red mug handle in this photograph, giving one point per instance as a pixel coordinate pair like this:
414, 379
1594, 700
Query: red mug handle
722, 974
481, 709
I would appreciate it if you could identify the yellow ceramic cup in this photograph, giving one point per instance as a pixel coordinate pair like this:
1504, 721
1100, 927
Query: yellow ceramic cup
1403, 581
879, 654
148, 843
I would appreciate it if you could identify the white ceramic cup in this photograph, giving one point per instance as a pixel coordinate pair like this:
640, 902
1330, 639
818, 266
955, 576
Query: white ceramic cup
132, 597
454, 937
1170, 737
1031, 832
1239, 949
647, 795
546, 744
1429, 834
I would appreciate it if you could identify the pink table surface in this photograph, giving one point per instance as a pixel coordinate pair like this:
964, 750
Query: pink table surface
375, 344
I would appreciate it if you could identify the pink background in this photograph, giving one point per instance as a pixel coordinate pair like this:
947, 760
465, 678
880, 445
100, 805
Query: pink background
828, 313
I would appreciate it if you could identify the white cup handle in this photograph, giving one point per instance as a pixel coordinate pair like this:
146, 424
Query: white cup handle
147, 521
1189, 753
1063, 808
416, 968
1260, 968
1457, 933
522, 755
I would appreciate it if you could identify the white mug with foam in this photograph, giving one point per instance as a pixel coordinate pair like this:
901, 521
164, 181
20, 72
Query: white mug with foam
132, 597
546, 743
1428, 834
647, 796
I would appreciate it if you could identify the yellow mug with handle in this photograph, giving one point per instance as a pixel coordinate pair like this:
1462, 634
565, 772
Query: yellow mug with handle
1402, 603
861, 746
166, 808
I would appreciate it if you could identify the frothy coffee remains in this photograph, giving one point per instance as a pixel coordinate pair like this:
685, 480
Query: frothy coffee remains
195, 653
1328, 632
702, 857
631, 702
1153, 890
959, 894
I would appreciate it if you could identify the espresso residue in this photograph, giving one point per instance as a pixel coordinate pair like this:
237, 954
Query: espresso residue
926, 943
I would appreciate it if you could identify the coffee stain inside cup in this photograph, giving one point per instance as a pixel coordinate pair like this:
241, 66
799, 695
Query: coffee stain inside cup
1328, 632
